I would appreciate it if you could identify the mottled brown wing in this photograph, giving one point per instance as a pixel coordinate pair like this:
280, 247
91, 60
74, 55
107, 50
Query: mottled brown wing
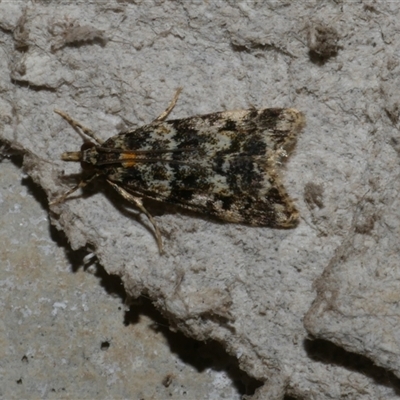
222, 164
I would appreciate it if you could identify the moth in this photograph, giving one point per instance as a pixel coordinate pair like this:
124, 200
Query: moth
224, 164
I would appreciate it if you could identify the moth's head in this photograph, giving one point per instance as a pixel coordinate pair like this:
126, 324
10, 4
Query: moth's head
78, 156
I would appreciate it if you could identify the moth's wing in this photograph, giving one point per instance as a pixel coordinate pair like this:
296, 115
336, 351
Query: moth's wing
248, 132
271, 206
266, 204
222, 164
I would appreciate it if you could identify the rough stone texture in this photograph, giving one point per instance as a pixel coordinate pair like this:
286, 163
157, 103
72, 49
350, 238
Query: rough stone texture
110, 65
66, 333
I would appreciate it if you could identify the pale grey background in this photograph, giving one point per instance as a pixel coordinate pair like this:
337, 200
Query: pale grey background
258, 292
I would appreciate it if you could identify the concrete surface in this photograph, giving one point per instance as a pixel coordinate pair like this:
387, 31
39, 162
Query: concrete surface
66, 331
260, 293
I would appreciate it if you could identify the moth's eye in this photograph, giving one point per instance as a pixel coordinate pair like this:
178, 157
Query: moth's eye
87, 145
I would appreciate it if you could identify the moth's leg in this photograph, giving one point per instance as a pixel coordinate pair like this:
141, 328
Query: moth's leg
77, 125
138, 203
171, 106
81, 184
